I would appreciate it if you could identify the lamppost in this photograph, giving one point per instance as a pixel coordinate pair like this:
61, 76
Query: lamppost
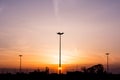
60, 66
20, 63
107, 54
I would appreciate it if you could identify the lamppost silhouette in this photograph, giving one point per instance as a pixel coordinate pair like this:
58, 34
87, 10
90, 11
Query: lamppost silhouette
20, 70
107, 54
60, 65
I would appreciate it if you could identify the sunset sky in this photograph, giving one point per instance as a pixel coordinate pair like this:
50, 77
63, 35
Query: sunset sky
29, 28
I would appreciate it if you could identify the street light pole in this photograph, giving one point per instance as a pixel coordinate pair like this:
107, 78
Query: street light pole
20, 63
60, 66
107, 54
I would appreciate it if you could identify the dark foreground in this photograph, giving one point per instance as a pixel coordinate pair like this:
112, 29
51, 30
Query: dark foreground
95, 72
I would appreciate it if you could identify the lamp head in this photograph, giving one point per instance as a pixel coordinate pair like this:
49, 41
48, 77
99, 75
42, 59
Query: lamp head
20, 55
107, 53
60, 33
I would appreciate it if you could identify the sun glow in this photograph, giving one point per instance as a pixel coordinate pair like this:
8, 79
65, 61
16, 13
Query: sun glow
59, 68
66, 58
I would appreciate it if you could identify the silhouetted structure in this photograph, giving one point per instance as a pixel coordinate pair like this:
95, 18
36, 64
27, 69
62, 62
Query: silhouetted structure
60, 66
95, 72
20, 63
107, 54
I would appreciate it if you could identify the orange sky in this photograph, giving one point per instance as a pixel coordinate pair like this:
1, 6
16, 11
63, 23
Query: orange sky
29, 27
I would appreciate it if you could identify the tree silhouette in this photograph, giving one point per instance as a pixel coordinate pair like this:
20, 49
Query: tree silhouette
96, 69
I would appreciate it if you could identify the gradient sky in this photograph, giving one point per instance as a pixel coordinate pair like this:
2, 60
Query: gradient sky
29, 27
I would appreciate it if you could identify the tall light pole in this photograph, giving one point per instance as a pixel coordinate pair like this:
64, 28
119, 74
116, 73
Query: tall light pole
60, 66
107, 54
20, 62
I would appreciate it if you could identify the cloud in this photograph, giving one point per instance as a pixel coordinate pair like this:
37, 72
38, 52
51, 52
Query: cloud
56, 7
